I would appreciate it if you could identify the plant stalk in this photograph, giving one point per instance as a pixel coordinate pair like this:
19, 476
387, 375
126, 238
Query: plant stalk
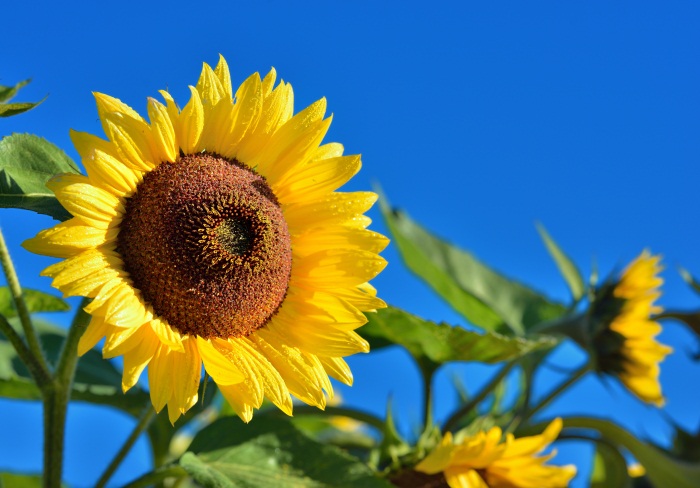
143, 423
21, 306
577, 375
56, 396
468, 407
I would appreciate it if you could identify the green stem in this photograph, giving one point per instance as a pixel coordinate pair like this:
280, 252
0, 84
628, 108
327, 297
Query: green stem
154, 477
145, 420
464, 410
365, 417
427, 398
40, 375
56, 396
577, 375
21, 306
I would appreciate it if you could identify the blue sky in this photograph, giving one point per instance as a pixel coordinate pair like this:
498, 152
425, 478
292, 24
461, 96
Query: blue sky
477, 118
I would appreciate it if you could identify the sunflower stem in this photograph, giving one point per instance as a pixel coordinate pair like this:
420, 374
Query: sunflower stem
40, 375
427, 400
454, 419
21, 307
577, 375
143, 423
56, 396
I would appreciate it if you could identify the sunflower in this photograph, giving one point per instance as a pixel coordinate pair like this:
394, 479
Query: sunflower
483, 461
213, 235
624, 344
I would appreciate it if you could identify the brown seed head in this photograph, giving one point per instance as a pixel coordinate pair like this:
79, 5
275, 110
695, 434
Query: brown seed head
205, 241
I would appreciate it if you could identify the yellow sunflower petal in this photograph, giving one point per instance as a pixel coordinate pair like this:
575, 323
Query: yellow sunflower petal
337, 268
121, 340
209, 86
123, 307
107, 104
222, 73
317, 179
68, 239
337, 368
300, 375
261, 376
295, 155
95, 331
137, 358
461, 478
160, 378
191, 124
103, 166
287, 136
187, 371
223, 371
246, 111
167, 335
132, 140
239, 397
93, 206
321, 341
163, 132
67, 273
336, 209
268, 82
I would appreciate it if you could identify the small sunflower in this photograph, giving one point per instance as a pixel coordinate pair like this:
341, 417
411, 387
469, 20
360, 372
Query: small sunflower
483, 461
624, 344
213, 235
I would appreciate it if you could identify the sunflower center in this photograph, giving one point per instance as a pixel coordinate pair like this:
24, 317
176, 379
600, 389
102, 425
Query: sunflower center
205, 241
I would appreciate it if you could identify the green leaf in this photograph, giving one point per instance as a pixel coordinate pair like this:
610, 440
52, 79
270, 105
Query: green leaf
7, 93
434, 344
662, 470
96, 380
37, 301
21, 480
27, 162
484, 297
609, 468
270, 452
566, 266
10, 109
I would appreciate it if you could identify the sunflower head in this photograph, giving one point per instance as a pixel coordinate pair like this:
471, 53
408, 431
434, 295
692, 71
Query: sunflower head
487, 460
212, 234
623, 331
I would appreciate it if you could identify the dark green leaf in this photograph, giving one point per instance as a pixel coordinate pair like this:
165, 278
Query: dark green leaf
662, 470
7, 93
566, 266
26, 164
686, 445
434, 344
37, 301
484, 297
96, 380
609, 468
271, 452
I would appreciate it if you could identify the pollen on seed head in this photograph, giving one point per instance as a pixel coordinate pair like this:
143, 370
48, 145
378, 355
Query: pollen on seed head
205, 241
